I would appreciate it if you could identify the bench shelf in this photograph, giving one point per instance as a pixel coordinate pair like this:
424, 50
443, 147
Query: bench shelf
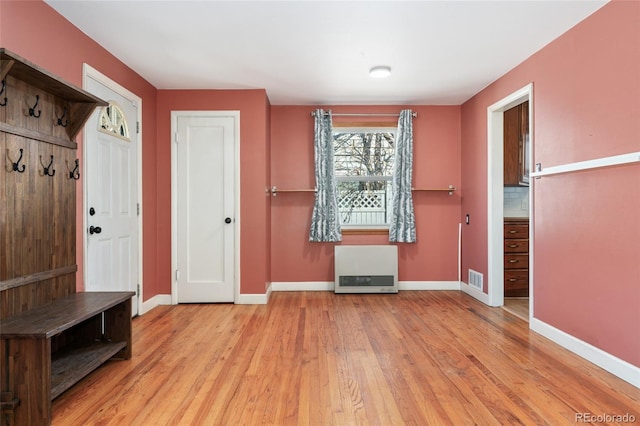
69, 369
46, 350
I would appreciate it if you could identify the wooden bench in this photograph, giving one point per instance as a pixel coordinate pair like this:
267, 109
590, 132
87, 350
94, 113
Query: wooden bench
46, 350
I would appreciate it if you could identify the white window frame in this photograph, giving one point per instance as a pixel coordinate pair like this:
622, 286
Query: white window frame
365, 129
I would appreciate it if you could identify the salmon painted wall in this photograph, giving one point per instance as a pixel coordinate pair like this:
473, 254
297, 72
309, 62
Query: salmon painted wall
39, 34
436, 165
267, 180
254, 158
586, 100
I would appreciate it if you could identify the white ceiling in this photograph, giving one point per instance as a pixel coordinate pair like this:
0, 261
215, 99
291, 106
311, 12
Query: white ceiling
319, 52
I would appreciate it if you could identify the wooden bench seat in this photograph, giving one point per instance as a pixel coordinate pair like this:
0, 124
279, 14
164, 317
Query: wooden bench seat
46, 350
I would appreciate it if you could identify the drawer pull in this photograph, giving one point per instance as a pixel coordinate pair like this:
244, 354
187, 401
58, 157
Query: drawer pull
513, 280
513, 245
513, 231
513, 260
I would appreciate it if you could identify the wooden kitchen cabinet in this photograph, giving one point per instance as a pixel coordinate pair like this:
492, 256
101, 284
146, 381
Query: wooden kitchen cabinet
516, 145
516, 257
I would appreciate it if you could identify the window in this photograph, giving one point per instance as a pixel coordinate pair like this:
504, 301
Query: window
363, 161
113, 122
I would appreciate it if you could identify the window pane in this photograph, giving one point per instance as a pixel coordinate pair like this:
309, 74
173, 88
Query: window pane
113, 121
364, 202
363, 153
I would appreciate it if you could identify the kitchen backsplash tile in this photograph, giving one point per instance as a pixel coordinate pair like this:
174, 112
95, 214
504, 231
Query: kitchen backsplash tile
516, 201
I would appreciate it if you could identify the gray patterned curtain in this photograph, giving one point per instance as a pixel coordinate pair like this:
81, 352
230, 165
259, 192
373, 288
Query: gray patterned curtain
402, 228
325, 224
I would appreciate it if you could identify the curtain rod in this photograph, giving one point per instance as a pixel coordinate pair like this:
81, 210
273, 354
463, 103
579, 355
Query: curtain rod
363, 114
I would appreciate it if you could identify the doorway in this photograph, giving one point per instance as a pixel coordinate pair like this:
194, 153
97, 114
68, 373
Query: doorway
112, 190
516, 210
496, 204
205, 223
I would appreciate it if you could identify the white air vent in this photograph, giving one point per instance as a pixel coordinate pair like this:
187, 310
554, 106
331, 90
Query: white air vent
475, 279
366, 269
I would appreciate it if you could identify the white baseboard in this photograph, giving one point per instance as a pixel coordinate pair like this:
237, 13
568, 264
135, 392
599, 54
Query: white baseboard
428, 285
269, 290
157, 300
253, 299
612, 364
243, 299
475, 293
303, 286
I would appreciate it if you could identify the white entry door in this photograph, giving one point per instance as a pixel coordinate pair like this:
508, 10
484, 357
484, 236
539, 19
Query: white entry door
111, 194
205, 205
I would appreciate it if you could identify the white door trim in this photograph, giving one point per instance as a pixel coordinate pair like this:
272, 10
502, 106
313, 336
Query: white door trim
174, 197
89, 72
495, 191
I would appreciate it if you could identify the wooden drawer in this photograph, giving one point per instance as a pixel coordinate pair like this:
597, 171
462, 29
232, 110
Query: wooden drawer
516, 246
516, 261
516, 230
516, 283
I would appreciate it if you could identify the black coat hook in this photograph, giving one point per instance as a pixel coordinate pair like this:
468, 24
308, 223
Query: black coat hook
66, 122
3, 103
75, 173
16, 165
48, 171
32, 110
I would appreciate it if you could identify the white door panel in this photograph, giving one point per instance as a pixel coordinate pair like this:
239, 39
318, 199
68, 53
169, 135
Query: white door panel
205, 199
111, 200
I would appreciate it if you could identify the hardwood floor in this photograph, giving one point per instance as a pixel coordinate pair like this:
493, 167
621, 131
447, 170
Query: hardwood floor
518, 306
317, 358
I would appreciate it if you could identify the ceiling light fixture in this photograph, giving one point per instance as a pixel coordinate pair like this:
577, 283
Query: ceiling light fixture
380, 72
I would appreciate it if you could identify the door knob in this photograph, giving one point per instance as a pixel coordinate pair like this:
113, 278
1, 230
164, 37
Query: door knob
94, 230
227, 220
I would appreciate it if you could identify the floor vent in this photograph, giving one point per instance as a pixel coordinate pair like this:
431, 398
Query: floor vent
475, 279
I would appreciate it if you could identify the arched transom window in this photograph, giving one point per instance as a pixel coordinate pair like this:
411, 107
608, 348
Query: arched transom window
113, 121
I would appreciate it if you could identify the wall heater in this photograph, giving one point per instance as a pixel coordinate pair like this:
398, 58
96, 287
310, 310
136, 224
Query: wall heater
366, 269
